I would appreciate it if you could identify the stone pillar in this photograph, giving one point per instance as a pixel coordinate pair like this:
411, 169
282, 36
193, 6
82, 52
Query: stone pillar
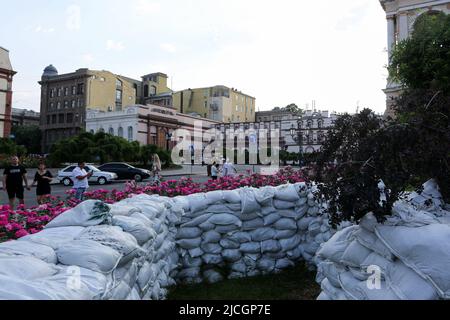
403, 31
391, 34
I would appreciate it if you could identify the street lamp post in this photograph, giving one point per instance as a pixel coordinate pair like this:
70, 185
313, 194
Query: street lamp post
298, 138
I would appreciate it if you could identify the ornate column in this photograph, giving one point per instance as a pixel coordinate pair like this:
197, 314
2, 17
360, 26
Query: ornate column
403, 27
391, 34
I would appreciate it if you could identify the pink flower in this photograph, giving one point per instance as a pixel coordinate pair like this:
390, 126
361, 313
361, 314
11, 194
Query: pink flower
21, 233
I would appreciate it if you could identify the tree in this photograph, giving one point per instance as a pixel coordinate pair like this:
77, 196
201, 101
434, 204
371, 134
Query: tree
9, 148
29, 137
293, 108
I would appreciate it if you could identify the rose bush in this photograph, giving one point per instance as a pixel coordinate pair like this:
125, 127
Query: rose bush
21, 222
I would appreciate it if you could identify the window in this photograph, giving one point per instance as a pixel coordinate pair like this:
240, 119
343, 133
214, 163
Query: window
52, 106
66, 91
54, 119
70, 169
52, 93
74, 90
61, 118
74, 104
48, 119
152, 90
69, 117
80, 88
80, 103
130, 134
111, 131
206, 104
66, 104
58, 105
146, 90
118, 84
59, 92
118, 95
120, 132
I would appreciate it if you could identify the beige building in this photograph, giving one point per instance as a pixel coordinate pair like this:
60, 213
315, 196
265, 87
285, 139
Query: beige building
65, 98
6, 78
218, 103
401, 16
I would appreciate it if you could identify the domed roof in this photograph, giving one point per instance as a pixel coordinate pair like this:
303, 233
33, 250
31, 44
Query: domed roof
50, 71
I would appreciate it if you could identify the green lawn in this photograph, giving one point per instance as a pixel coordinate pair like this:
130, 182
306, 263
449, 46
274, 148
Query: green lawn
294, 284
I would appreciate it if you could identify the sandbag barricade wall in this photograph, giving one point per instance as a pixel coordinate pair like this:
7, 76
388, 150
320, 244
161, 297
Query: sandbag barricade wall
139, 247
404, 258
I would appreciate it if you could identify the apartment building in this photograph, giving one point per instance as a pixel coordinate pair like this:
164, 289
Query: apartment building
6, 78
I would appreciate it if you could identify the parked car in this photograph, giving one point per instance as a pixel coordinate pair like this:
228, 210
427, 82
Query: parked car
126, 171
99, 176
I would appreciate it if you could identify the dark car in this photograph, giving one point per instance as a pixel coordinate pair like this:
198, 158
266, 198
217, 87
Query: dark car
125, 171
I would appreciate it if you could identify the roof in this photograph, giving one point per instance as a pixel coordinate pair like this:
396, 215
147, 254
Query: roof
5, 62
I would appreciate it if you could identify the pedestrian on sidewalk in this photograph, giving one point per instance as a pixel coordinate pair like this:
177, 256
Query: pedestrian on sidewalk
13, 178
81, 180
156, 169
215, 171
42, 178
228, 169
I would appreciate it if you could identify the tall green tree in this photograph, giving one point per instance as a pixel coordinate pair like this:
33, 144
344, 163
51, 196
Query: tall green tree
29, 137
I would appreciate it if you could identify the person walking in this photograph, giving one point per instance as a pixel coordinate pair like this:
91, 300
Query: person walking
214, 171
42, 178
80, 180
14, 176
156, 169
228, 169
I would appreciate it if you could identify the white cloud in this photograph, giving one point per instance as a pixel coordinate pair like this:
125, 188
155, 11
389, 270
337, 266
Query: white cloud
42, 29
114, 45
147, 7
73, 17
168, 47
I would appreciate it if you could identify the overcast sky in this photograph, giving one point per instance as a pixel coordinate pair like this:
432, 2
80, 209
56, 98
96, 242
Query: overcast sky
281, 52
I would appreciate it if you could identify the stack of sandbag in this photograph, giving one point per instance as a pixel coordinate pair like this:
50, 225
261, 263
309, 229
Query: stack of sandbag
406, 257
248, 232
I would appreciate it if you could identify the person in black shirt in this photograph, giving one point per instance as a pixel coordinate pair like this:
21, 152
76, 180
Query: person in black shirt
43, 177
13, 178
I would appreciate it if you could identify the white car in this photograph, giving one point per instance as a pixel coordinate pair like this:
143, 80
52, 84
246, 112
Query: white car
101, 177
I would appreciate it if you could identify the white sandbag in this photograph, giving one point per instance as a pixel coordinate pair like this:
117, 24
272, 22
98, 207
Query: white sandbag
147, 276
211, 237
285, 224
355, 254
197, 221
214, 197
212, 248
207, 226
252, 224
303, 223
248, 216
266, 265
283, 205
212, 276
284, 264
188, 261
313, 211
284, 234
86, 214
197, 202
88, 254
123, 210
189, 233
231, 196
372, 242
311, 247
323, 297
264, 196
359, 290
231, 255
25, 267
248, 201
229, 244
374, 259
250, 247
426, 250
407, 284
28, 248
54, 237
226, 229
330, 271
239, 267
225, 220
134, 295
212, 259
270, 246
287, 192
295, 254
240, 237
291, 243
288, 214
114, 238
262, 234
196, 252
334, 248
137, 228
271, 218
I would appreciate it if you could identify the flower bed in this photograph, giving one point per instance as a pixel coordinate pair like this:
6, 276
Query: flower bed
21, 222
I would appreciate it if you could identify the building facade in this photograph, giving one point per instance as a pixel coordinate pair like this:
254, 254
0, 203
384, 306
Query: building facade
24, 117
311, 126
401, 16
146, 124
65, 98
218, 103
6, 78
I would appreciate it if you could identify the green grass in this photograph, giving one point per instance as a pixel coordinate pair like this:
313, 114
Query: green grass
293, 284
